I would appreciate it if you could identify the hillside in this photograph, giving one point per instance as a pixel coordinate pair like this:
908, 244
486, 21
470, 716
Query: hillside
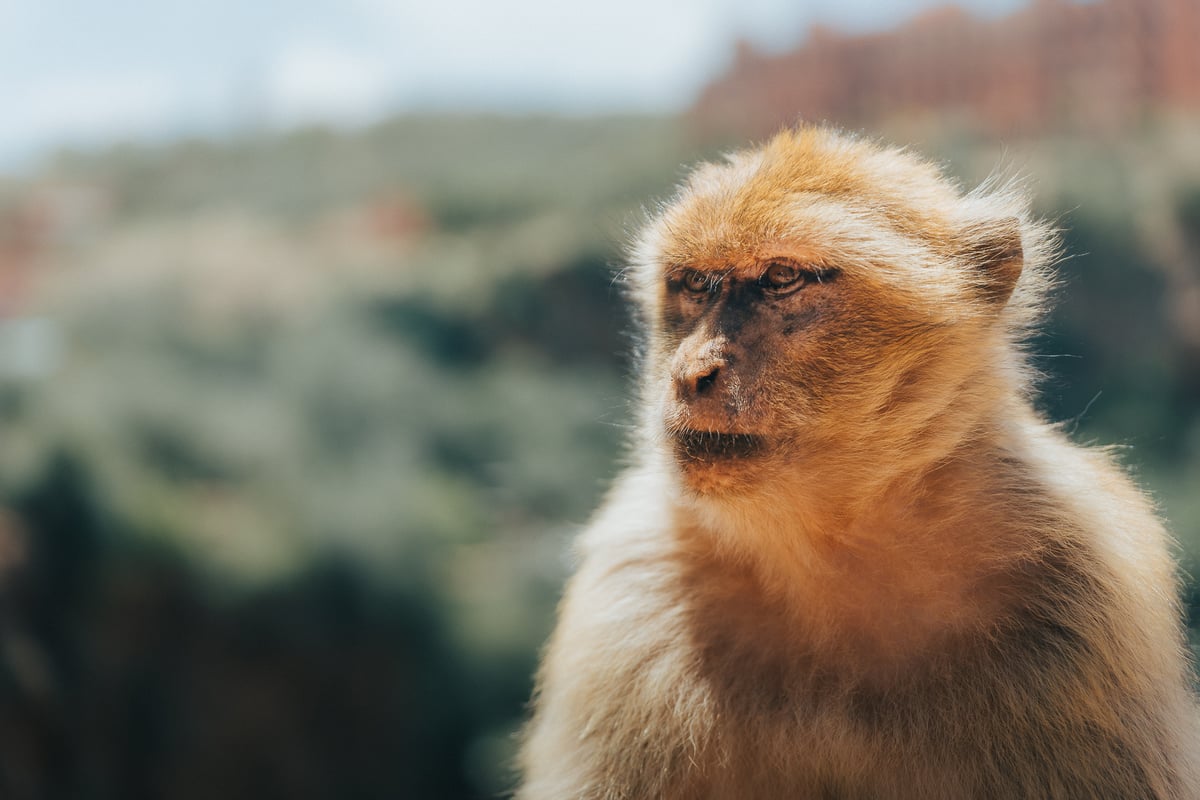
329, 405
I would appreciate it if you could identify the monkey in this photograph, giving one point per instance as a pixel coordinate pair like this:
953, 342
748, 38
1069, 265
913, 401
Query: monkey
849, 558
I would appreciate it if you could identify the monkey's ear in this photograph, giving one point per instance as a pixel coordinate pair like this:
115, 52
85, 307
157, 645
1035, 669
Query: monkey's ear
993, 250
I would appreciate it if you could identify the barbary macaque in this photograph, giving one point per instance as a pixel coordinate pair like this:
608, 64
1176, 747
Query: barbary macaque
850, 559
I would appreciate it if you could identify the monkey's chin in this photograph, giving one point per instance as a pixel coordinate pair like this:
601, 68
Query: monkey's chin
712, 462
711, 447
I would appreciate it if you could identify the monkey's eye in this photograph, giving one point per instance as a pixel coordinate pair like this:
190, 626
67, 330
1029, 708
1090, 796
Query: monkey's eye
781, 277
695, 282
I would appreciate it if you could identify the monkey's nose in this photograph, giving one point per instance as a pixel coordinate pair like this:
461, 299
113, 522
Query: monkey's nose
697, 382
703, 382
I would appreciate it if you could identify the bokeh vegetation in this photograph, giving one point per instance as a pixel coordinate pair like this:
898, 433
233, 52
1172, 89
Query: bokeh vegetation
287, 512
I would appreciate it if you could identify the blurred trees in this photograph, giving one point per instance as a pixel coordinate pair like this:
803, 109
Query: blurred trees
290, 514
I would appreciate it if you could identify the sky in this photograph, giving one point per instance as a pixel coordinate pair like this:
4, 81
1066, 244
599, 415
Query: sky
85, 73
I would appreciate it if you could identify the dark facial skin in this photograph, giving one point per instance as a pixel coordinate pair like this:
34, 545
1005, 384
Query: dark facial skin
732, 330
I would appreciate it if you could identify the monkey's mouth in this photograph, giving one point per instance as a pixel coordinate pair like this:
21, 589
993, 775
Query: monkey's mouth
714, 446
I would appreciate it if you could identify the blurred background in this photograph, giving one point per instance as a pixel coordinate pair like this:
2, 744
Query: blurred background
311, 362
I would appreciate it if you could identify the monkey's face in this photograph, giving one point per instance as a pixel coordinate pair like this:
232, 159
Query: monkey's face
805, 301
738, 332
763, 357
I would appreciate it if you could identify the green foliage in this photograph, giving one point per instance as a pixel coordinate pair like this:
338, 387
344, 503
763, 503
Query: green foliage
296, 502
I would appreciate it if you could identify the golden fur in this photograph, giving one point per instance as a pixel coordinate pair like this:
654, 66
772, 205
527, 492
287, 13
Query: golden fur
851, 561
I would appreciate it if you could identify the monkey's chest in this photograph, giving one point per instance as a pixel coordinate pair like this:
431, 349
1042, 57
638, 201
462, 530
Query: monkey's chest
797, 730
794, 717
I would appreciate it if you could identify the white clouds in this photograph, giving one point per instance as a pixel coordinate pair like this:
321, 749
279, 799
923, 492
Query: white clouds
86, 106
128, 70
314, 80
535, 53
